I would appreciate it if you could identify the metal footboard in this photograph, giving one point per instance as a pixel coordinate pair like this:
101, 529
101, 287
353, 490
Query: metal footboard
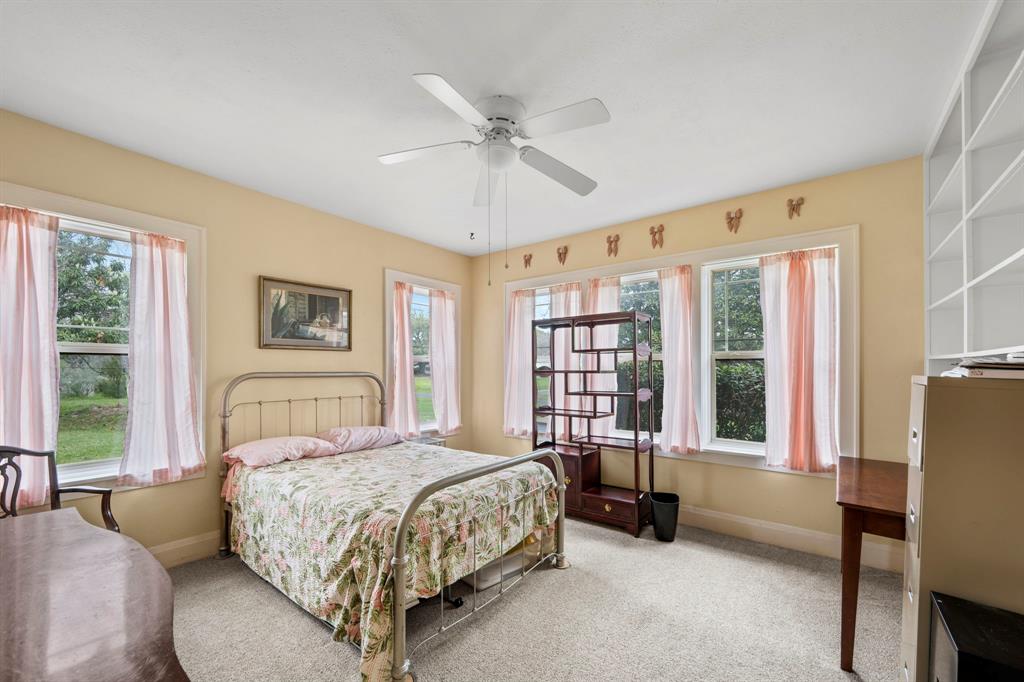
401, 668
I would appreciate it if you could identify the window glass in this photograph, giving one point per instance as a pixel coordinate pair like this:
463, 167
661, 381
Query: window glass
641, 295
419, 322
93, 406
739, 399
737, 353
736, 309
93, 276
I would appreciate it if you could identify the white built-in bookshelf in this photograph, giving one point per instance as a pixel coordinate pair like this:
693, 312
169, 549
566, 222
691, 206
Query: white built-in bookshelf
974, 202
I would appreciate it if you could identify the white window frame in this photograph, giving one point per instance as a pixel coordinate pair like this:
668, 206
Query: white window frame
111, 221
708, 400
845, 237
390, 278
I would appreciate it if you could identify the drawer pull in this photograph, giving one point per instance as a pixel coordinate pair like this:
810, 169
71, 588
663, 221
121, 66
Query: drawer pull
568, 481
912, 514
906, 672
608, 508
910, 594
913, 435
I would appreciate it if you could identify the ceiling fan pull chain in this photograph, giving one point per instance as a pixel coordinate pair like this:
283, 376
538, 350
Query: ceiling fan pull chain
488, 211
506, 220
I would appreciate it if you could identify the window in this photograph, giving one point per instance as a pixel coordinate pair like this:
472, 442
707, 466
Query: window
640, 293
737, 354
93, 272
542, 311
419, 318
419, 326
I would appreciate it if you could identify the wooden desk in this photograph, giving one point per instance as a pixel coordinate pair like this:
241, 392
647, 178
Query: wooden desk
80, 603
873, 495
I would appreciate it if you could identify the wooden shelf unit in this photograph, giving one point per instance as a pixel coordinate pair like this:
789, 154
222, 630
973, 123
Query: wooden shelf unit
974, 202
586, 495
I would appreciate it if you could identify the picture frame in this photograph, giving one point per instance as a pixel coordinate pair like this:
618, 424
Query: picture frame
302, 316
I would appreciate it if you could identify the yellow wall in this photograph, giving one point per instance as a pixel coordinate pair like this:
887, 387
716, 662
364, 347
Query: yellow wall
885, 200
248, 234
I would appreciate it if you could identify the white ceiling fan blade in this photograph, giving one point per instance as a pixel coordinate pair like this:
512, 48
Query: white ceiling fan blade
410, 154
480, 198
557, 171
450, 97
589, 112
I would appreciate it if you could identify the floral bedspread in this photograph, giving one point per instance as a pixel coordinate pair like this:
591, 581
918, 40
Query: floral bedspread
322, 530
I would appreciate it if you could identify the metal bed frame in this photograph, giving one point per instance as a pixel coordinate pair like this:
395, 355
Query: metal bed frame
401, 667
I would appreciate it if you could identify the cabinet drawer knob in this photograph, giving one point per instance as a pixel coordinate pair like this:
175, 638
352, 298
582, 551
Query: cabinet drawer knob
568, 481
913, 435
910, 594
607, 507
912, 514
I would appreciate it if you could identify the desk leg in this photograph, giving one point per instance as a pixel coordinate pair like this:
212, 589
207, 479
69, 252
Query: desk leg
853, 529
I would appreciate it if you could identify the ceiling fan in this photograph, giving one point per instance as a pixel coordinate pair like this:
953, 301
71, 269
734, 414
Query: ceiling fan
498, 119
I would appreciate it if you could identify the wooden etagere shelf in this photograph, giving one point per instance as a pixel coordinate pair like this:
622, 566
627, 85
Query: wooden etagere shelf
974, 202
587, 496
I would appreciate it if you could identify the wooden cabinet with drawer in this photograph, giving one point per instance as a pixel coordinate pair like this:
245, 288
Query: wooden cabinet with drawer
965, 493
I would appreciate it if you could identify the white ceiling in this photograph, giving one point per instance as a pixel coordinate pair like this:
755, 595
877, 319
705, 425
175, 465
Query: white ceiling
296, 99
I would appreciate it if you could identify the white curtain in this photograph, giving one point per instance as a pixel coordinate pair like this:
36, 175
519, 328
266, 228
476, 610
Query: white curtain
565, 302
798, 300
162, 437
679, 409
403, 415
603, 297
29, 364
444, 361
519, 364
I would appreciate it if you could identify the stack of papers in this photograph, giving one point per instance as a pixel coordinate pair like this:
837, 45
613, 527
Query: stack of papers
1010, 367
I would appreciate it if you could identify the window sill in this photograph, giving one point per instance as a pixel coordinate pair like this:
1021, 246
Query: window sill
711, 455
79, 473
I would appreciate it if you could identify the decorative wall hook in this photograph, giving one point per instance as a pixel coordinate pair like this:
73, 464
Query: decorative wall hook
657, 236
613, 244
794, 206
732, 220
527, 260
563, 252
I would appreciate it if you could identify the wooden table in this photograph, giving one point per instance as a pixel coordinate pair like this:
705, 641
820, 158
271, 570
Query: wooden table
873, 495
82, 603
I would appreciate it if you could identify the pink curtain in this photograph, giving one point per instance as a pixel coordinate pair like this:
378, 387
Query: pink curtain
565, 302
403, 414
29, 364
519, 364
679, 410
603, 297
162, 438
798, 300
444, 361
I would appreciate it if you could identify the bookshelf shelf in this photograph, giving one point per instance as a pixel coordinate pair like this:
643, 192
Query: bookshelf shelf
570, 412
974, 202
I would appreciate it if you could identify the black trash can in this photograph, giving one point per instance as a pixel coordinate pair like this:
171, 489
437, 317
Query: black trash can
665, 514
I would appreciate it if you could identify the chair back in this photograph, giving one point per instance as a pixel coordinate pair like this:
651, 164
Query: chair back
10, 478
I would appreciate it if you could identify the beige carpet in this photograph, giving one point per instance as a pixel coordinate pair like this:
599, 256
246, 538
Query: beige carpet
706, 607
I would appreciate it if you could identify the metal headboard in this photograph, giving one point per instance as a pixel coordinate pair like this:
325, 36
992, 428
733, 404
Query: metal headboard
227, 408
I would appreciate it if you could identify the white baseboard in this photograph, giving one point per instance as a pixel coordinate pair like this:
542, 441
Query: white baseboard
888, 557
182, 551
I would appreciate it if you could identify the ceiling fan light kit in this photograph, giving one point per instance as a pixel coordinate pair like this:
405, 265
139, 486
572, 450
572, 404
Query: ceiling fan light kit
498, 120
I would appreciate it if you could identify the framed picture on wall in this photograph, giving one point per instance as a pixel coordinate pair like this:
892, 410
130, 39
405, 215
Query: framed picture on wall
310, 316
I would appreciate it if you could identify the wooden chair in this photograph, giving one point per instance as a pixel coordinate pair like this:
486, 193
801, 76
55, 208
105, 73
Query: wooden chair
10, 475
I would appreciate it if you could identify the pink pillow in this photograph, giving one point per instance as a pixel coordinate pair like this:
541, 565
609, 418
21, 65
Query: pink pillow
261, 453
352, 438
